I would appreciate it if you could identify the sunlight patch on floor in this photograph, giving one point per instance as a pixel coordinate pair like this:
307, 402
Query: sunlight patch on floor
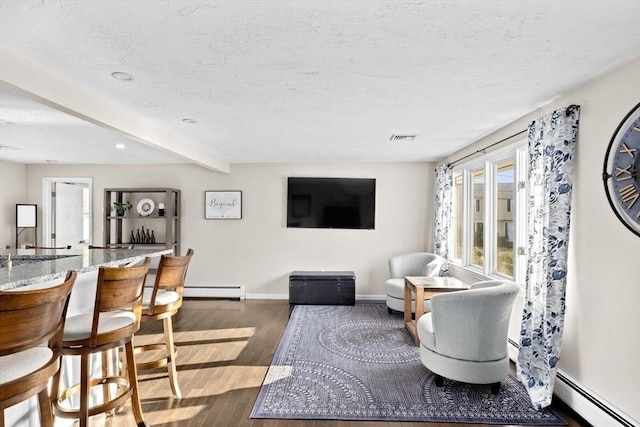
209, 353
228, 378
214, 334
200, 347
278, 372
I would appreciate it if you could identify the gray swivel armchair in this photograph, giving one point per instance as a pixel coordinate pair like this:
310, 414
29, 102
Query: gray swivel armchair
464, 337
411, 264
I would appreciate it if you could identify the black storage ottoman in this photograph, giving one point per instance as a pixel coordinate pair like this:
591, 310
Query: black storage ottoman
322, 288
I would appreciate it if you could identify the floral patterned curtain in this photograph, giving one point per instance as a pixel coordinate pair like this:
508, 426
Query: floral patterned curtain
552, 141
444, 186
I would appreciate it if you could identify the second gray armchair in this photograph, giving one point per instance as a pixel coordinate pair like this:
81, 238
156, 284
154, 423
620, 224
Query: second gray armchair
411, 264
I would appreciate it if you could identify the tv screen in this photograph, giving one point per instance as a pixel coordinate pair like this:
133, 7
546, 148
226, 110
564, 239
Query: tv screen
331, 203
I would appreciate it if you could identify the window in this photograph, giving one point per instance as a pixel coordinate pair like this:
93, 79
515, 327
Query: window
457, 216
504, 217
478, 218
489, 214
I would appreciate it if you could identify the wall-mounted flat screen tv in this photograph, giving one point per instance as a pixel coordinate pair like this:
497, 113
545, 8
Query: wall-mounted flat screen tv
331, 203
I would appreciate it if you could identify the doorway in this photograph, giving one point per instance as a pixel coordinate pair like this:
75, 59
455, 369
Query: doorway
67, 211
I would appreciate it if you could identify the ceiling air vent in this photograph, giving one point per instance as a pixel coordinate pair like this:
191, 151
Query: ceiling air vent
396, 137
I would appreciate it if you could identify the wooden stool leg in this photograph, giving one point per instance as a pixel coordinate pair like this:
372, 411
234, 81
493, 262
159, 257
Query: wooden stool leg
106, 362
55, 384
123, 363
133, 383
167, 325
85, 390
119, 369
46, 414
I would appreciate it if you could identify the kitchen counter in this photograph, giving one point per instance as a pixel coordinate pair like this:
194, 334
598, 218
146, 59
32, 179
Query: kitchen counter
32, 266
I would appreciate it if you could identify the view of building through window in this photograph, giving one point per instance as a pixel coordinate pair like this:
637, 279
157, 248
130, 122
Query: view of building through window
478, 217
505, 226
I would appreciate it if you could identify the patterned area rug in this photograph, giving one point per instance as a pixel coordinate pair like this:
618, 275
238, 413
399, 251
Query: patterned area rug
359, 363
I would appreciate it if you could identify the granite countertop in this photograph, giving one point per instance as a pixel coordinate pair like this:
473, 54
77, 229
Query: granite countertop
32, 266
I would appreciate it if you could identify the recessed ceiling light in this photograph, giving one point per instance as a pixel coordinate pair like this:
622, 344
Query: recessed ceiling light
6, 147
121, 76
52, 161
188, 120
120, 146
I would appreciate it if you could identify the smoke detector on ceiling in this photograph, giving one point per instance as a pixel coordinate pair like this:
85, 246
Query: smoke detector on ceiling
402, 137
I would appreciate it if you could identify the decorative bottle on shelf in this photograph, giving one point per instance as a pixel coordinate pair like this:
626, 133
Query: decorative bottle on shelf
132, 238
137, 235
153, 237
143, 236
148, 237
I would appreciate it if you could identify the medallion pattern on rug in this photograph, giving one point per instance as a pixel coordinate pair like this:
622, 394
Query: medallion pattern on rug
359, 363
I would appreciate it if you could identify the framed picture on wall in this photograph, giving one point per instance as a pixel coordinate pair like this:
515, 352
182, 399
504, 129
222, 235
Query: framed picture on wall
223, 204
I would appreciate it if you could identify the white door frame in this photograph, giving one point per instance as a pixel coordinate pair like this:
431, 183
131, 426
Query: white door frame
47, 216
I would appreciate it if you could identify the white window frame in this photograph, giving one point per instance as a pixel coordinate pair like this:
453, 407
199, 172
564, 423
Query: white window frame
517, 152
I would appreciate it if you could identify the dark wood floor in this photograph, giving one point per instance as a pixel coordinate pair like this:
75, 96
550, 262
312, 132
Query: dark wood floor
225, 348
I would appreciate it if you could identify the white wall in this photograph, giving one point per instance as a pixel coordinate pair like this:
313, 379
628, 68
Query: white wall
12, 191
601, 340
258, 251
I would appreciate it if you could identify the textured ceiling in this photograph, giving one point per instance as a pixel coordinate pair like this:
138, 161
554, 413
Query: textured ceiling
309, 81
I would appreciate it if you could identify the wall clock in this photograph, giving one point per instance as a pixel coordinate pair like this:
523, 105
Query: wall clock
621, 173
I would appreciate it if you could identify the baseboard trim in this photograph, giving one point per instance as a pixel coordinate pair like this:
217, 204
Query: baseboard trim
589, 405
593, 408
373, 298
236, 291
268, 296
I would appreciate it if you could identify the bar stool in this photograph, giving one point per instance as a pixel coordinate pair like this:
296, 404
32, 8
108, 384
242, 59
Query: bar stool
111, 325
31, 325
163, 303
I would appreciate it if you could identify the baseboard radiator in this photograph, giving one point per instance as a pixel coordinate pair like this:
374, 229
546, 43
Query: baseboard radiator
588, 404
227, 292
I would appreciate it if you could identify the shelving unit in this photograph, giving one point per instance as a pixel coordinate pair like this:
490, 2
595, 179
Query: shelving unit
117, 229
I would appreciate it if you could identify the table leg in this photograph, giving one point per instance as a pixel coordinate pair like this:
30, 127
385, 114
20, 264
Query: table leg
419, 309
407, 302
